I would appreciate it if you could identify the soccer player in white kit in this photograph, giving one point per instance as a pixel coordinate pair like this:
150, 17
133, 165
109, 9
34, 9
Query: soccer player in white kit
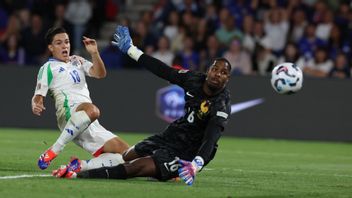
63, 78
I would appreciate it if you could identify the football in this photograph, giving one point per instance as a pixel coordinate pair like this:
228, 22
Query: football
286, 78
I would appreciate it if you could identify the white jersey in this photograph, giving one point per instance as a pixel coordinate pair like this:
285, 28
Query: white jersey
65, 82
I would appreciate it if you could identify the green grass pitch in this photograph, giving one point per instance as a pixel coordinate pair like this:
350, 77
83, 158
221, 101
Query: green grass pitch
241, 168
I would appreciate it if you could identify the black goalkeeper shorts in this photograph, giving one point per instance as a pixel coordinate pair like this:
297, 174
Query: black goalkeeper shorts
165, 159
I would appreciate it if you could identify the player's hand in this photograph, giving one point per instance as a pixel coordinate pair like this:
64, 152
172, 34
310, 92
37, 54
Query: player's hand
91, 45
37, 107
122, 39
188, 170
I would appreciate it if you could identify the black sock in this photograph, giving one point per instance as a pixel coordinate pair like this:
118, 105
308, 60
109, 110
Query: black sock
116, 172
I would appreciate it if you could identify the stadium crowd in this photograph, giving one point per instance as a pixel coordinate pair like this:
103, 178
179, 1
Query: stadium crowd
254, 35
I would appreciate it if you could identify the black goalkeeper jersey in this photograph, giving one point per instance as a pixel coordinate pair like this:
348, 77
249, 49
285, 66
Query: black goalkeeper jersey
197, 132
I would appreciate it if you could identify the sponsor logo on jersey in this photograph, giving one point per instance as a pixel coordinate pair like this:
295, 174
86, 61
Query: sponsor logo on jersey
189, 94
61, 69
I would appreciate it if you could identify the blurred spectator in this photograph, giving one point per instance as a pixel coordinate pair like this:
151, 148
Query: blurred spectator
291, 54
112, 57
78, 13
341, 68
212, 18
239, 58
320, 7
324, 27
190, 22
309, 42
142, 38
161, 13
3, 21
109, 8
337, 43
177, 42
320, 66
102, 11
341, 17
33, 41
190, 58
201, 35
298, 25
223, 14
276, 27
211, 52
171, 28
13, 27
12, 53
248, 37
60, 20
189, 6
163, 51
264, 60
228, 31
239, 9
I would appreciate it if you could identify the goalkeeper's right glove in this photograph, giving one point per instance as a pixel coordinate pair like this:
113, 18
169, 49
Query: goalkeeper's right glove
188, 170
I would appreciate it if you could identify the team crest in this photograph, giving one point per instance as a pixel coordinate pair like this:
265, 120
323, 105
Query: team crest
203, 109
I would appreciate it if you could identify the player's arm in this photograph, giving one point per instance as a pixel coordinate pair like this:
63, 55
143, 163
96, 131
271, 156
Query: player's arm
123, 41
98, 69
38, 104
44, 80
188, 170
212, 133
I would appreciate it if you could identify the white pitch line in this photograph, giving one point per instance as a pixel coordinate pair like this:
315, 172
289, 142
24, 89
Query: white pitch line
22, 176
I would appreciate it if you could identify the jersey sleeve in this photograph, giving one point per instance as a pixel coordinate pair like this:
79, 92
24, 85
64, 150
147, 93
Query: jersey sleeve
44, 79
221, 111
174, 76
216, 124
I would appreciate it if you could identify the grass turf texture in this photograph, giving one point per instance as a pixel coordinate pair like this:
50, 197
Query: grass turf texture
241, 168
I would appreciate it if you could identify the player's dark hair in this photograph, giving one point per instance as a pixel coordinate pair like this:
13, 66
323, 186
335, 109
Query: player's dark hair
49, 36
226, 61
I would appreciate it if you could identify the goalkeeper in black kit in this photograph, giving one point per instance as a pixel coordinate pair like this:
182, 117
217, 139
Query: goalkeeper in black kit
187, 144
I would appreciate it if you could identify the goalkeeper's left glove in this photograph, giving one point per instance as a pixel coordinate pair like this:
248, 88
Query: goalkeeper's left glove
188, 170
122, 38
123, 41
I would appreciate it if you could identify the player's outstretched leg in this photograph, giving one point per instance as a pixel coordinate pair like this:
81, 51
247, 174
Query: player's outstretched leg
78, 122
76, 165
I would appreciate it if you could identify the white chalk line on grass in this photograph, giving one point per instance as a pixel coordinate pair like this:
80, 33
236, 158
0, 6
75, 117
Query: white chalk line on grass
22, 176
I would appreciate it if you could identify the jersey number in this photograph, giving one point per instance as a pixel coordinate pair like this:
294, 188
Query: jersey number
172, 166
190, 117
75, 76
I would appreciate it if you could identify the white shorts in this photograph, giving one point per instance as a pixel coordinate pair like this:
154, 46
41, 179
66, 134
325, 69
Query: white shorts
93, 138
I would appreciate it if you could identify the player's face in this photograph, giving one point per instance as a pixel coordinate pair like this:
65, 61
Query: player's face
218, 75
60, 47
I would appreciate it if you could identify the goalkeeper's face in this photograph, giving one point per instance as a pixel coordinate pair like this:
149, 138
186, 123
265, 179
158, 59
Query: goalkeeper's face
60, 47
218, 75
